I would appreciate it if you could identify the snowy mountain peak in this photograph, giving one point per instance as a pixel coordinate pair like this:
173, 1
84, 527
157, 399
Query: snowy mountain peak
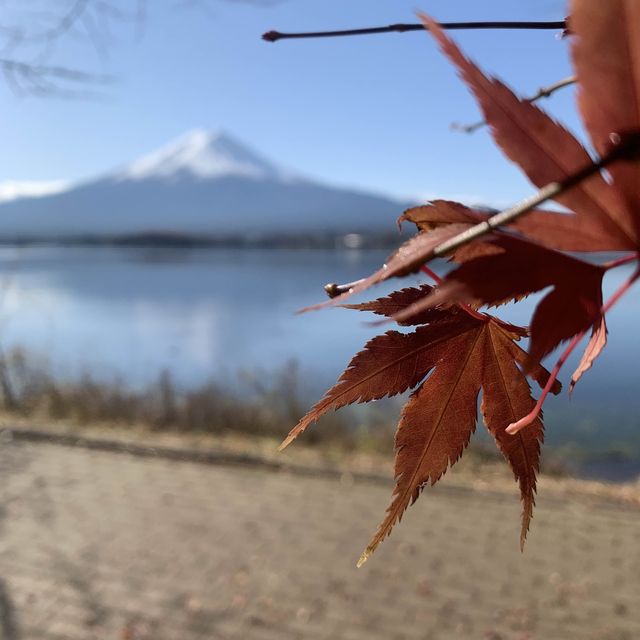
205, 185
202, 154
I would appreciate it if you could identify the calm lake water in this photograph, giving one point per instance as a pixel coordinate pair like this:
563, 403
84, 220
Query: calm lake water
131, 313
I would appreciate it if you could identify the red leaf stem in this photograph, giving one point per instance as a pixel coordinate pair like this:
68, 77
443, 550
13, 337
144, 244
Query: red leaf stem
613, 264
514, 427
465, 307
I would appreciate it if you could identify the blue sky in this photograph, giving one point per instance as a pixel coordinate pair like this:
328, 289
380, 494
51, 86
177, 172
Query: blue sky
372, 112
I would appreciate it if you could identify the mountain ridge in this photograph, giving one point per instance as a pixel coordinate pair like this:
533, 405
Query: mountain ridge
204, 154
203, 183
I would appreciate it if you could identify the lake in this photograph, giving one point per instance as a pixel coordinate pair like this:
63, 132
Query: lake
131, 313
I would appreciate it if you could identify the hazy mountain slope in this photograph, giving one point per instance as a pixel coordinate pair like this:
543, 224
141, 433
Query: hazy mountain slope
202, 183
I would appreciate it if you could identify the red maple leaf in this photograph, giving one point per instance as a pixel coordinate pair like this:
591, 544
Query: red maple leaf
457, 353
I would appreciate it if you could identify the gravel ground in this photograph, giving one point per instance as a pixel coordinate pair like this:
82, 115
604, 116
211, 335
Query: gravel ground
103, 545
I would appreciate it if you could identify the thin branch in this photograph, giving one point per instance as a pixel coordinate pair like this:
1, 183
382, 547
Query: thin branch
62, 73
47, 80
66, 22
274, 36
543, 92
627, 148
27, 51
334, 290
514, 427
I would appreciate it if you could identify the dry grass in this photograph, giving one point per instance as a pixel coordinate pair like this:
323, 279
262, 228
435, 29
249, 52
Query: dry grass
248, 405
251, 413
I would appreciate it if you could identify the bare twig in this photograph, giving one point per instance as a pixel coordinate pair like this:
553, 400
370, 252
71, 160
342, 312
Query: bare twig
54, 81
274, 36
333, 290
627, 148
28, 44
61, 26
543, 92
62, 73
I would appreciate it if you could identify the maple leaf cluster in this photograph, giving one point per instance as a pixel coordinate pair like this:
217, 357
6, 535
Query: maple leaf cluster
458, 352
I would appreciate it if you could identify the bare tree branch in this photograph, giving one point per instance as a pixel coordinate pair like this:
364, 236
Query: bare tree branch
275, 36
30, 33
62, 82
60, 26
626, 149
543, 92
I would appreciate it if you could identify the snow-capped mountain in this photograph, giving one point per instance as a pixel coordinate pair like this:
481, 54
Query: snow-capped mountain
203, 183
204, 155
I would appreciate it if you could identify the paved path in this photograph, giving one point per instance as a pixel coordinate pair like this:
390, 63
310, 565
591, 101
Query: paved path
97, 545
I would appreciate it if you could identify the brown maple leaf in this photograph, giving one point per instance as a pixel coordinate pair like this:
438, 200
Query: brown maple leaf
546, 151
388, 365
398, 301
440, 417
559, 231
606, 56
594, 348
600, 218
456, 353
452, 357
514, 268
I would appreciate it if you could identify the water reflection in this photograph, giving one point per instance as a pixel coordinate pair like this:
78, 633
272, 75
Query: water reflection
201, 313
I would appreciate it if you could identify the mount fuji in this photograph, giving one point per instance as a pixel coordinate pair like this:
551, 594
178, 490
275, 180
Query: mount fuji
202, 184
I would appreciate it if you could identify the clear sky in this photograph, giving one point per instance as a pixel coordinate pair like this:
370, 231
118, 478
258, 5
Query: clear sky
372, 112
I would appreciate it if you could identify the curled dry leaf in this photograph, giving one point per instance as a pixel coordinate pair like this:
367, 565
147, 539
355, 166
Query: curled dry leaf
597, 343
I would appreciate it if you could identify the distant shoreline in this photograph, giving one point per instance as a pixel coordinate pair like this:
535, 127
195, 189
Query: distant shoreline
328, 240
